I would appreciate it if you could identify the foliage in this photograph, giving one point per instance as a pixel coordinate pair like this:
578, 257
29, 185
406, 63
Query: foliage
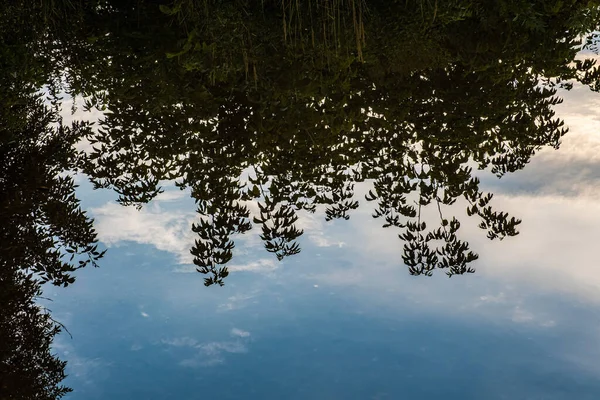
43, 227
308, 98
44, 234
28, 369
291, 103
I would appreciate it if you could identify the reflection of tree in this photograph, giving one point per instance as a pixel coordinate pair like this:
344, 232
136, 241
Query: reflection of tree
305, 99
44, 234
43, 228
28, 369
288, 104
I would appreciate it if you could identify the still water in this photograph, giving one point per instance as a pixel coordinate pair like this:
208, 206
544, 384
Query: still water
312, 199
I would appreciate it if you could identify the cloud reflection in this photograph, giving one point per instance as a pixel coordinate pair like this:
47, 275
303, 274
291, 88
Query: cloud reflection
207, 354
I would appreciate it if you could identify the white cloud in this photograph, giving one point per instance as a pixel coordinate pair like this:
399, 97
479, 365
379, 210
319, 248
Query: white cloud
555, 248
87, 370
170, 195
239, 333
196, 362
574, 169
339, 276
548, 324
216, 348
136, 347
500, 298
262, 265
520, 315
237, 302
181, 342
314, 226
320, 240
210, 353
166, 230
143, 314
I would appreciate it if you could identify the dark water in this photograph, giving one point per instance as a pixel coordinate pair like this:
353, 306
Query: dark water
275, 194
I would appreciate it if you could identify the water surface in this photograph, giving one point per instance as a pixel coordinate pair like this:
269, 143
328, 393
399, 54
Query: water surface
368, 200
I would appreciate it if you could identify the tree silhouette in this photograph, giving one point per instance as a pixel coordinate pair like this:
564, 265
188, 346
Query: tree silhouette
28, 368
289, 104
44, 234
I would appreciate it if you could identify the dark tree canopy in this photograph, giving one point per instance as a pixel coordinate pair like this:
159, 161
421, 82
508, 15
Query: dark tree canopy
290, 103
44, 234
28, 368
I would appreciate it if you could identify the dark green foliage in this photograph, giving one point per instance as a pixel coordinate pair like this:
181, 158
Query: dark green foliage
290, 103
28, 368
43, 228
44, 234
308, 97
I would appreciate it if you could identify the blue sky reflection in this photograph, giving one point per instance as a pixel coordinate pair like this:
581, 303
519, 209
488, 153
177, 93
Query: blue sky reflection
344, 320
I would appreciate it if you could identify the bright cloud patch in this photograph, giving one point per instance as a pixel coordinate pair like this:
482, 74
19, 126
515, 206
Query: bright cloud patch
86, 370
262, 265
181, 342
167, 231
210, 353
239, 333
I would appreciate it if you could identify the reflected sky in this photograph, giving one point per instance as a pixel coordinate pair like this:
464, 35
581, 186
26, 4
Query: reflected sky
344, 319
